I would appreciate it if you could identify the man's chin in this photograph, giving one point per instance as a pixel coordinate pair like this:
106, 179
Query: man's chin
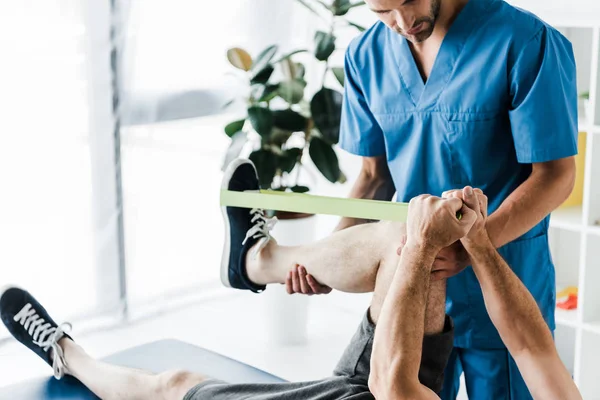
421, 36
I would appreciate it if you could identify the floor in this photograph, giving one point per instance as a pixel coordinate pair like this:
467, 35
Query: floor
240, 325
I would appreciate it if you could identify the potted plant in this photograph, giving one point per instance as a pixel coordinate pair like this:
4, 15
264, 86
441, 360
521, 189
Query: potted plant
281, 125
284, 127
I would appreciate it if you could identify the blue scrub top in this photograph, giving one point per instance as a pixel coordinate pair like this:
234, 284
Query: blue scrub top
502, 95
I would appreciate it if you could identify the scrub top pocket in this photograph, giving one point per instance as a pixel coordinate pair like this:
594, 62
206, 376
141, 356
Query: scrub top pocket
480, 145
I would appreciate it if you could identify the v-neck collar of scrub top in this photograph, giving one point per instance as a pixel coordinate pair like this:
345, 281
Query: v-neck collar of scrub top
423, 95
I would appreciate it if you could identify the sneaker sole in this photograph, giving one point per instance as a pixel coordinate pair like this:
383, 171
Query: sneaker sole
231, 168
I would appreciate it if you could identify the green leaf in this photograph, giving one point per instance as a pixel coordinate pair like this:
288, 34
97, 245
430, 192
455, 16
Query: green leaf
341, 7
263, 59
325, 159
256, 92
261, 119
326, 110
279, 137
263, 93
325, 45
289, 159
239, 58
292, 91
234, 127
339, 74
263, 75
269, 93
357, 26
235, 148
300, 71
266, 166
288, 68
299, 189
289, 120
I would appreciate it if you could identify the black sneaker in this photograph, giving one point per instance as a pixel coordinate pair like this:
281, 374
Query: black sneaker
243, 227
31, 325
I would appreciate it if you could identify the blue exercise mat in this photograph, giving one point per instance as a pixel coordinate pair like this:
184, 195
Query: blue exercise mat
157, 357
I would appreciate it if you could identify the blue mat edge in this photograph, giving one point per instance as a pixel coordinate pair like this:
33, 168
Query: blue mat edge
70, 388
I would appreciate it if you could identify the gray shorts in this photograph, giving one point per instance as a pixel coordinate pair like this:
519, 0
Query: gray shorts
350, 377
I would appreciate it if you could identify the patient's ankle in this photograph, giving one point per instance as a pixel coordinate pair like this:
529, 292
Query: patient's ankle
259, 263
70, 349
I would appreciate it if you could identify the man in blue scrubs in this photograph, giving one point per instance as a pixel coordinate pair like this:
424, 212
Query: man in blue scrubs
441, 94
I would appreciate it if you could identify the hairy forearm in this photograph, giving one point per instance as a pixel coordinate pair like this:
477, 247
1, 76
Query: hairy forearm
511, 307
369, 187
399, 334
545, 190
521, 326
435, 312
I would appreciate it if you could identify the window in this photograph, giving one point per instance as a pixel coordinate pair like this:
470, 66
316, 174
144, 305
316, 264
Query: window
47, 231
175, 83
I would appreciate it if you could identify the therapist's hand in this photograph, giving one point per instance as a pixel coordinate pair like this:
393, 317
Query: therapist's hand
456, 258
477, 236
452, 259
459, 194
300, 281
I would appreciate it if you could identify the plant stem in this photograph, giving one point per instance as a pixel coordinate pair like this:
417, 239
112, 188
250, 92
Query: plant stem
331, 30
306, 142
298, 173
325, 73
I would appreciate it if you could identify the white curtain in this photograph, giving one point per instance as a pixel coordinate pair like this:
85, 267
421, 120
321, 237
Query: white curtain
48, 236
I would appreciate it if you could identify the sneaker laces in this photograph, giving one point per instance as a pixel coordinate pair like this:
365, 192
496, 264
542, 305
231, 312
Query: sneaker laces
45, 336
59, 364
261, 229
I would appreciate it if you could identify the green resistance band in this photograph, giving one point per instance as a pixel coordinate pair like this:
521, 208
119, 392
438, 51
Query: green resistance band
312, 204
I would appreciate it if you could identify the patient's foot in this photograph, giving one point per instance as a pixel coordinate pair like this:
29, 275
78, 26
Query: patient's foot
31, 325
246, 230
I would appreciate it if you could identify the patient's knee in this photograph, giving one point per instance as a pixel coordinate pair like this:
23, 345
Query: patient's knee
393, 231
173, 385
392, 236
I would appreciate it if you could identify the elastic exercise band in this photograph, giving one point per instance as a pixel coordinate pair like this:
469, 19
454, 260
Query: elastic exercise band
311, 204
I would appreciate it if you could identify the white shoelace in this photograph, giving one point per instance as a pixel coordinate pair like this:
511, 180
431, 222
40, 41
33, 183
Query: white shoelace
261, 229
45, 336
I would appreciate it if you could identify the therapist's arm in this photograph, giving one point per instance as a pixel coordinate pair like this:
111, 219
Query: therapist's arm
373, 183
516, 315
548, 186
